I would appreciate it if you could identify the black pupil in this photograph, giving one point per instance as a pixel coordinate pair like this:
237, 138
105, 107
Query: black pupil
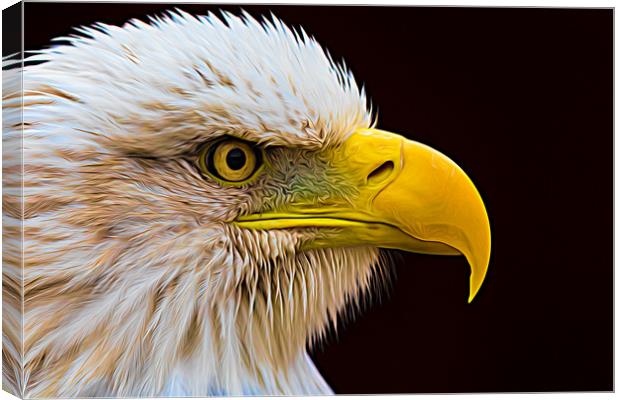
235, 159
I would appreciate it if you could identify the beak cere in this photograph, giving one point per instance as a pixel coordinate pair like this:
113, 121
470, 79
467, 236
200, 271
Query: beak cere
411, 197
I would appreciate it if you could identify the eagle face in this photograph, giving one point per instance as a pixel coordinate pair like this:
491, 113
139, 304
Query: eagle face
202, 198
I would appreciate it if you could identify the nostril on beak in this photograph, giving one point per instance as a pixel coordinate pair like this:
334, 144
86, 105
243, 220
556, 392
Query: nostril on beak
380, 173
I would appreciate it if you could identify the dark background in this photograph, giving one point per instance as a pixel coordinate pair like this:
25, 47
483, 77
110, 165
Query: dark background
522, 100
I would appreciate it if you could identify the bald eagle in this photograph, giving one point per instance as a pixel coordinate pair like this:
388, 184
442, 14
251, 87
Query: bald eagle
202, 197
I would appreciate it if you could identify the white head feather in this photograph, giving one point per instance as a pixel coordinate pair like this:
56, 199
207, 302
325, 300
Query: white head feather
135, 284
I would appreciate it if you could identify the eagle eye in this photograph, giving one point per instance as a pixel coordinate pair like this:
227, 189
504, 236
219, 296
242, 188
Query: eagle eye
230, 160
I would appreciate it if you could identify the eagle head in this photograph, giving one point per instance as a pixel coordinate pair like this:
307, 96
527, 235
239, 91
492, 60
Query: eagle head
202, 197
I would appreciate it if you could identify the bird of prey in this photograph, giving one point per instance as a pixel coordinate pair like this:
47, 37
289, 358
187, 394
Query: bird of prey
203, 196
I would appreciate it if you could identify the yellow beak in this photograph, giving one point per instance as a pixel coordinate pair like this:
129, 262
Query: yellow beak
410, 197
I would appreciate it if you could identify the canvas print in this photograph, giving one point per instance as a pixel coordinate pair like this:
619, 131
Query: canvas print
204, 200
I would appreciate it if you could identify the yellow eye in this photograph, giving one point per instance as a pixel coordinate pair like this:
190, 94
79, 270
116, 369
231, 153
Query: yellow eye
231, 160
